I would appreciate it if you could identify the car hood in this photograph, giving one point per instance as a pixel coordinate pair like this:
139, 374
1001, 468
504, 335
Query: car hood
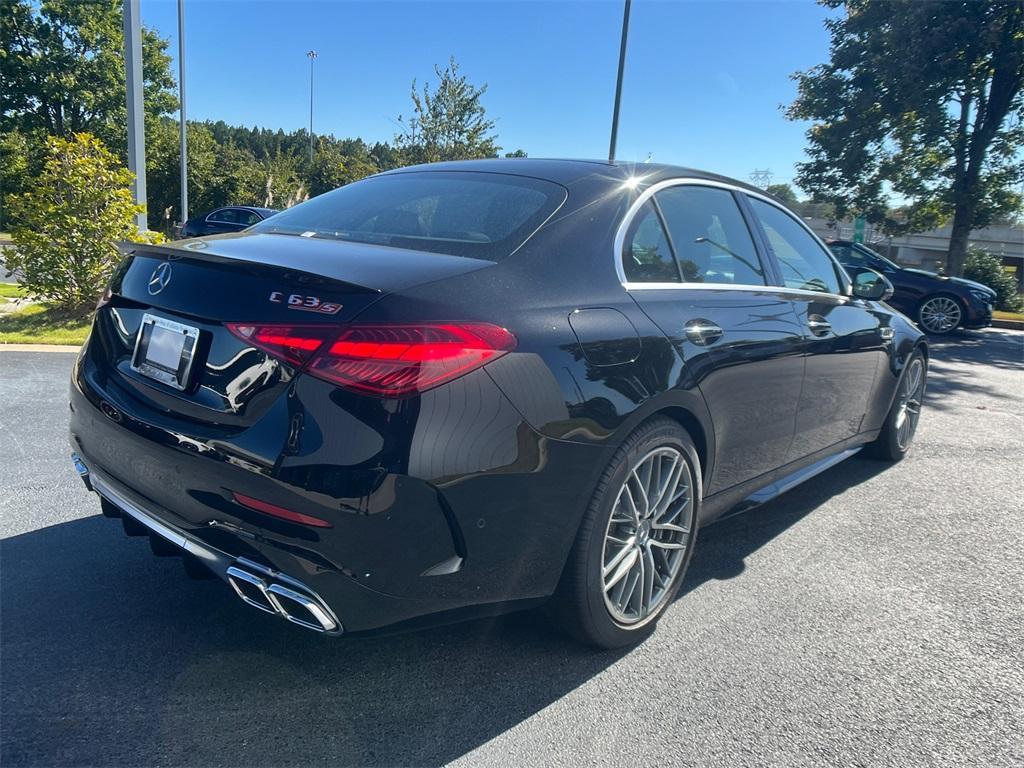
958, 280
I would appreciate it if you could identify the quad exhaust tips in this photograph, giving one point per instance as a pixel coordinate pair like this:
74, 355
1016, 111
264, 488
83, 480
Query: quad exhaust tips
273, 597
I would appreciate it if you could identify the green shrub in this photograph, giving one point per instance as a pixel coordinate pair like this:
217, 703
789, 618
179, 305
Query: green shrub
988, 270
69, 221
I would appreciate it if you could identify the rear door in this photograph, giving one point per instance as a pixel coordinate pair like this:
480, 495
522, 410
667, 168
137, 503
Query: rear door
222, 220
842, 336
690, 262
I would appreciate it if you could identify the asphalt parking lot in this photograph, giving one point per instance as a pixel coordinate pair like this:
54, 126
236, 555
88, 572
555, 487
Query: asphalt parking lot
873, 616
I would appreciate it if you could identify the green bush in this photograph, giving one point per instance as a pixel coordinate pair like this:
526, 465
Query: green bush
69, 221
988, 270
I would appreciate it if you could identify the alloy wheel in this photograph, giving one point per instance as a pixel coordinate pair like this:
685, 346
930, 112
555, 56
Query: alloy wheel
908, 407
647, 536
940, 314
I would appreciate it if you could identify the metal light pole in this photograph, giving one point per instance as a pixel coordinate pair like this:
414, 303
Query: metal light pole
618, 82
312, 57
181, 99
136, 126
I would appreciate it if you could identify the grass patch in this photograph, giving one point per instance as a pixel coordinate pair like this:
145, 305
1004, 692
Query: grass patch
41, 324
999, 315
11, 291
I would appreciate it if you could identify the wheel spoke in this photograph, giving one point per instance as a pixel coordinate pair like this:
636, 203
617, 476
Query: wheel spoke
625, 566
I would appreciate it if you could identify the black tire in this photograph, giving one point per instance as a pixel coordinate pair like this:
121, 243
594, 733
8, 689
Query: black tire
890, 445
929, 325
579, 604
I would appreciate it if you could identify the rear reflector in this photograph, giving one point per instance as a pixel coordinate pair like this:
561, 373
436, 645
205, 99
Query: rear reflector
294, 343
396, 360
280, 512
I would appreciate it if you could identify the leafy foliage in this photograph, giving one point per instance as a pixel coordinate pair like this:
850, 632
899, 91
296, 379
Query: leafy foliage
921, 99
65, 245
62, 69
448, 122
784, 193
988, 270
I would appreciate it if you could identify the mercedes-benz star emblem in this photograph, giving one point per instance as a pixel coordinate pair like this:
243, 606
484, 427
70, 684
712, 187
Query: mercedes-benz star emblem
160, 278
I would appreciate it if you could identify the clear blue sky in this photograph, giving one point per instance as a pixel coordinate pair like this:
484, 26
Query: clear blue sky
703, 87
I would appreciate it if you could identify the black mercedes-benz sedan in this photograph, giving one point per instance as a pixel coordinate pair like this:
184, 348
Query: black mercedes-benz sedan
231, 218
476, 387
940, 304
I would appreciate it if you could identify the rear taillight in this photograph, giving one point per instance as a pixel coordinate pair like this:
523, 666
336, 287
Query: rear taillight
294, 343
394, 360
385, 360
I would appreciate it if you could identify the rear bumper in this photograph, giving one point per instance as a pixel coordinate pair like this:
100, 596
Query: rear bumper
264, 588
489, 538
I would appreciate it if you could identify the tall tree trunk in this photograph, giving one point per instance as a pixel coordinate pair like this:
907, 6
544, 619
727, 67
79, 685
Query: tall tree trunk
958, 239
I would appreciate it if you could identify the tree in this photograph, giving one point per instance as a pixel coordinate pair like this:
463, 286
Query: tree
923, 99
65, 244
784, 193
163, 170
448, 123
62, 69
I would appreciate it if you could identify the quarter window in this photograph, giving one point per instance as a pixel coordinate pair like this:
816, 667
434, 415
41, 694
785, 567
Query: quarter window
804, 263
647, 257
709, 235
248, 218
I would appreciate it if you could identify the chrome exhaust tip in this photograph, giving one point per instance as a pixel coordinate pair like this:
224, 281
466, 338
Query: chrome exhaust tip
271, 596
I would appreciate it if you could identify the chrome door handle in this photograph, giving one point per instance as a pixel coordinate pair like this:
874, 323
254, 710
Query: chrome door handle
819, 325
702, 332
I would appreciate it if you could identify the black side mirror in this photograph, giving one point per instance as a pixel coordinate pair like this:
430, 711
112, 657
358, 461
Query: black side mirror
870, 285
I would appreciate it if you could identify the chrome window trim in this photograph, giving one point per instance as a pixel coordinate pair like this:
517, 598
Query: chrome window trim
651, 191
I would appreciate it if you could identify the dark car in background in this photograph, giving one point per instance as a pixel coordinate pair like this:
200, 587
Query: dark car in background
474, 387
938, 303
231, 218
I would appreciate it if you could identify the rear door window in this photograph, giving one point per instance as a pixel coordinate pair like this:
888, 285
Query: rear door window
223, 216
481, 215
710, 237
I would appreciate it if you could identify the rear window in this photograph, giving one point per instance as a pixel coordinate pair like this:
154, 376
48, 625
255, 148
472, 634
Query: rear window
481, 215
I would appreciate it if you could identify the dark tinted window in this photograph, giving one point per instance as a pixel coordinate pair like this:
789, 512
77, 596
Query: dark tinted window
646, 256
483, 215
710, 237
846, 255
224, 215
804, 263
248, 218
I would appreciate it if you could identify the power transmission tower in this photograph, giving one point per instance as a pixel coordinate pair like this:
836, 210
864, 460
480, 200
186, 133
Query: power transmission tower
761, 177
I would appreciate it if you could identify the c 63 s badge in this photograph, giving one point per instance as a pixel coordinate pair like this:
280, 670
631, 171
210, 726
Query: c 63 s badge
305, 303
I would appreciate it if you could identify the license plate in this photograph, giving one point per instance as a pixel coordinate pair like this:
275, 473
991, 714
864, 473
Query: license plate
164, 350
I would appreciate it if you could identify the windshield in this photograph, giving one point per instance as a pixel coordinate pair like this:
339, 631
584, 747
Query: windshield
480, 215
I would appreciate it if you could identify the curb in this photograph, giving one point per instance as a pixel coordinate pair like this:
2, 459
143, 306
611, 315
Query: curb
38, 348
1013, 325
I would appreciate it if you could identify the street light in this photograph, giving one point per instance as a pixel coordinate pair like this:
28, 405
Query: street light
312, 57
618, 82
182, 118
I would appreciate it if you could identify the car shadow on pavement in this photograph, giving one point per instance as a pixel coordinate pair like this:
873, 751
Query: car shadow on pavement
112, 657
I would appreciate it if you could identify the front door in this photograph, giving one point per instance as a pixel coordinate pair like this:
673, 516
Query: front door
842, 335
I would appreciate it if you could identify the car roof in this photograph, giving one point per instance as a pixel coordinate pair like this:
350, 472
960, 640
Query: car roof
567, 171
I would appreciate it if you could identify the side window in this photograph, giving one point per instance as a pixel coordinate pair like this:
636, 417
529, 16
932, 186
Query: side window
224, 215
709, 235
248, 218
804, 263
647, 257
